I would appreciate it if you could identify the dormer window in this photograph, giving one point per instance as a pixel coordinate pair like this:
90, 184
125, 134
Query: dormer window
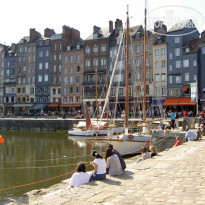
78, 46
95, 35
68, 48
187, 50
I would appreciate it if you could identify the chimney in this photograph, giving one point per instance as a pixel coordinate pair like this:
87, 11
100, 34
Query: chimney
33, 34
203, 35
160, 27
118, 25
110, 26
48, 32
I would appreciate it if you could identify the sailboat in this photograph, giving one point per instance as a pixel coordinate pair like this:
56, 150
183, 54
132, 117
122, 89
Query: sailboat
130, 143
94, 128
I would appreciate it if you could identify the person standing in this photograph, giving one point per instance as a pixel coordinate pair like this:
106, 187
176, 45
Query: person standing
177, 120
172, 116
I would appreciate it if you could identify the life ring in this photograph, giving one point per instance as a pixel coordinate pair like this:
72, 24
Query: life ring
131, 137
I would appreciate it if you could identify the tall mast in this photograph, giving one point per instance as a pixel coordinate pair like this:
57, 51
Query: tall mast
145, 57
96, 90
127, 72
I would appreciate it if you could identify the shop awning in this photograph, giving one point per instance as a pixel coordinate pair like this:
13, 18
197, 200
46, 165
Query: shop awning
178, 102
38, 106
186, 101
185, 89
22, 105
70, 105
171, 102
53, 105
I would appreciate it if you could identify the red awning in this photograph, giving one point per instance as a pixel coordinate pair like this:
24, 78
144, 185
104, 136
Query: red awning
186, 101
185, 89
53, 105
171, 102
70, 105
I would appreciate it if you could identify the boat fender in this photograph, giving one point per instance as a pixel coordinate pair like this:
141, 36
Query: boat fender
131, 137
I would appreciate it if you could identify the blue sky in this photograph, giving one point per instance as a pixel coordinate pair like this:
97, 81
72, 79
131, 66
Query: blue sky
18, 16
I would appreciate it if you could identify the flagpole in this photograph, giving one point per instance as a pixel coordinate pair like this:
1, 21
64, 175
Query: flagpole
197, 103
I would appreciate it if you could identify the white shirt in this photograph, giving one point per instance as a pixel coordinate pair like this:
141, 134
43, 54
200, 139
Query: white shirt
191, 135
79, 178
101, 165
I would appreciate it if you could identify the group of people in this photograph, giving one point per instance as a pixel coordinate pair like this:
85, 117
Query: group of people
194, 136
113, 164
146, 155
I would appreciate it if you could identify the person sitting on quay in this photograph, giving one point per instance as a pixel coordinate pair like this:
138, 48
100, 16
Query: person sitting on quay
145, 154
80, 176
122, 162
113, 167
198, 133
99, 165
190, 136
153, 150
202, 130
167, 129
178, 142
161, 126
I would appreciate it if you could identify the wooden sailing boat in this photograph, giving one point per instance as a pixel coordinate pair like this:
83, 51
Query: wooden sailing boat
131, 143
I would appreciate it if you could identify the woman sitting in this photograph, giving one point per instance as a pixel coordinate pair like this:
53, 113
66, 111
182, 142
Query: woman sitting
153, 151
113, 163
99, 165
145, 154
80, 177
161, 126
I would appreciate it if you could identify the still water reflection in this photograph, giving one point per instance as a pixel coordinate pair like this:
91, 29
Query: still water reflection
27, 157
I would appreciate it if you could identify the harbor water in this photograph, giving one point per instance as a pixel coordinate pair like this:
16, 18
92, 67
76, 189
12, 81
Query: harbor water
27, 157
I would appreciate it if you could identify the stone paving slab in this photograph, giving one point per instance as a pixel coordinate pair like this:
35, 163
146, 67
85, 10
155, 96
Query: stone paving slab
176, 176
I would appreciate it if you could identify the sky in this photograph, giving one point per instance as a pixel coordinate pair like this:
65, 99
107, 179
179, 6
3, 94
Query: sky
18, 16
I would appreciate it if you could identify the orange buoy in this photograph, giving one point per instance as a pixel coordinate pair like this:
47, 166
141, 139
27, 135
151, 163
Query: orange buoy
1, 139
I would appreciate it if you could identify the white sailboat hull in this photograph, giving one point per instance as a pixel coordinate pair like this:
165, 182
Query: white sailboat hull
125, 145
79, 132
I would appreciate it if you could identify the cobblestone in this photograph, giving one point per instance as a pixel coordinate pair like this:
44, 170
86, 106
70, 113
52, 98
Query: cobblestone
176, 176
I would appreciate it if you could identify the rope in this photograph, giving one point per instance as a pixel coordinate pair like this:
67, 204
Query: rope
24, 185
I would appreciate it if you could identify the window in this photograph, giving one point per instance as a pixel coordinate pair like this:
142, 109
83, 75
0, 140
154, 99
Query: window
187, 50
121, 91
138, 76
47, 53
66, 70
65, 90
77, 68
177, 39
195, 77
71, 89
46, 65
54, 68
137, 48
95, 63
147, 47
87, 50
186, 76
177, 51
40, 78
66, 59
163, 52
59, 90
157, 64
45, 89
41, 54
103, 48
71, 69
157, 53
163, 64
156, 77
163, 91
32, 90
163, 76
64, 100
147, 62
203, 50
103, 62
46, 77
65, 80
194, 63
178, 79
77, 89
77, 79
59, 57
178, 64
137, 63
54, 57
54, 91
170, 79
71, 59
87, 63
71, 99
59, 68
186, 63
95, 49
71, 80
78, 58
170, 56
